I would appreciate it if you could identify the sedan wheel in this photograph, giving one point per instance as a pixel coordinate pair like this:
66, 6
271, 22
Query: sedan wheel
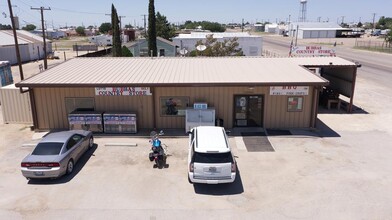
91, 142
70, 166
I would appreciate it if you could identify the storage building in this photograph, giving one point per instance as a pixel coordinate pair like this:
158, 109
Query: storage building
243, 91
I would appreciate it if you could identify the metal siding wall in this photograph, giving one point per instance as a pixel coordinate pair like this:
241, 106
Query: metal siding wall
15, 106
221, 98
50, 105
141, 105
277, 116
51, 112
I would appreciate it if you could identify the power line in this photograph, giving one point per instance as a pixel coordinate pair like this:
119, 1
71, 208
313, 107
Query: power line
78, 12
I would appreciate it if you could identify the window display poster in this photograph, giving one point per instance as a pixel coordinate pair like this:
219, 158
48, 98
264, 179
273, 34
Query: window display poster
295, 104
174, 106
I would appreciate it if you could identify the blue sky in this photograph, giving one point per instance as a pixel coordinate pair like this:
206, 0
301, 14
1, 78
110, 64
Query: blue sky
83, 12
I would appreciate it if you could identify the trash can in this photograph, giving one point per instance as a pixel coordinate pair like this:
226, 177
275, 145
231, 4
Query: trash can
219, 122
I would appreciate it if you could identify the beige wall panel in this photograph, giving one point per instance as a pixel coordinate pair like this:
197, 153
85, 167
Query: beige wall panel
141, 105
221, 98
277, 116
15, 106
51, 111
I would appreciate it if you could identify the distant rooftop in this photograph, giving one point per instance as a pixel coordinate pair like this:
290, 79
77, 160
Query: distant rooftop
215, 34
316, 25
24, 37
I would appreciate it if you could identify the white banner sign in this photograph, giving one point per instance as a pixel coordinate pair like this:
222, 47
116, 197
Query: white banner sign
122, 91
289, 90
316, 51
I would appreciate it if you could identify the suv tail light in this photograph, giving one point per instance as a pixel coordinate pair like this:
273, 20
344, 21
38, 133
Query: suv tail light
40, 164
191, 167
233, 168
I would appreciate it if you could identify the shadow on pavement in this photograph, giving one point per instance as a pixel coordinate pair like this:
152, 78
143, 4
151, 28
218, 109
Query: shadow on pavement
221, 189
66, 178
324, 130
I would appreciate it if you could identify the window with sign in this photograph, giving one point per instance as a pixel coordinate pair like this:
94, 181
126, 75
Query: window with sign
295, 104
173, 105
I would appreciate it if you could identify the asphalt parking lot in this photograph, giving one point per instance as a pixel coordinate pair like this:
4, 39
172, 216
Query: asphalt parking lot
344, 175
342, 170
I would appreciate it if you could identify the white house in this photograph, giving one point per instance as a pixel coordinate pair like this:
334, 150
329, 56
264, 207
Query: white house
251, 45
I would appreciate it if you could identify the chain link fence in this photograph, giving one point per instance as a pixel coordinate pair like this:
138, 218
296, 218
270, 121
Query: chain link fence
374, 46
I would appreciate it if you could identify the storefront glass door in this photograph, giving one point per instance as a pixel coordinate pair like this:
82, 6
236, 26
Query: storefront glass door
248, 110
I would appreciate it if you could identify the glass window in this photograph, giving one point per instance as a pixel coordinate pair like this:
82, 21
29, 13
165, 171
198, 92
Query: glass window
174, 105
73, 141
48, 149
295, 104
212, 157
72, 104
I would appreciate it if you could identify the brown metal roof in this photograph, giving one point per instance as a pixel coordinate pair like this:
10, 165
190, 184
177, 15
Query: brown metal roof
223, 71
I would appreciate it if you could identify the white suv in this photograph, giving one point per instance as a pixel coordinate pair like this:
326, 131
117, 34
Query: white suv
210, 159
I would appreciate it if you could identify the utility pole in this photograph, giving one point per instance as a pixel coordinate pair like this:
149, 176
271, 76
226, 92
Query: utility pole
374, 21
16, 41
145, 25
43, 33
242, 26
343, 19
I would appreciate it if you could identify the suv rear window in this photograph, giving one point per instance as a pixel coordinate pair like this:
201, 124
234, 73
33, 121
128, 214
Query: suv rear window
212, 157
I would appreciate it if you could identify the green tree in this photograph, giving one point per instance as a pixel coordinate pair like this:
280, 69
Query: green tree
5, 27
128, 26
152, 34
29, 27
205, 25
163, 27
80, 31
116, 49
359, 24
214, 48
105, 27
126, 52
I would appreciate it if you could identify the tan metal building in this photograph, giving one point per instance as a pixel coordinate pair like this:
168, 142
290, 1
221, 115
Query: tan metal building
245, 91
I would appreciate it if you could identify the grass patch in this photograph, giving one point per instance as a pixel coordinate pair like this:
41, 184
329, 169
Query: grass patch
375, 49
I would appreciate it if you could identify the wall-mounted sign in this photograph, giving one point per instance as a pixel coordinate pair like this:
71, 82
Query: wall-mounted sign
314, 51
200, 105
122, 91
289, 90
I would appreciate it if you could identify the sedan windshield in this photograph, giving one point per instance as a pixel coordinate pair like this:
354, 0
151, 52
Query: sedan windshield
48, 149
212, 157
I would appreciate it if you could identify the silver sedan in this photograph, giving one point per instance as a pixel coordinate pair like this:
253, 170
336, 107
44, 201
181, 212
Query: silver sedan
56, 154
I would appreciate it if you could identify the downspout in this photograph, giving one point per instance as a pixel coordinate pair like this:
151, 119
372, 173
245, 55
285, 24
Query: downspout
350, 107
33, 106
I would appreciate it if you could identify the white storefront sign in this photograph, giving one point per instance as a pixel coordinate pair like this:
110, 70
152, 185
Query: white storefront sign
289, 90
316, 51
122, 91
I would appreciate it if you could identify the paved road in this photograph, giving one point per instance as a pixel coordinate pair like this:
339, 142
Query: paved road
376, 67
